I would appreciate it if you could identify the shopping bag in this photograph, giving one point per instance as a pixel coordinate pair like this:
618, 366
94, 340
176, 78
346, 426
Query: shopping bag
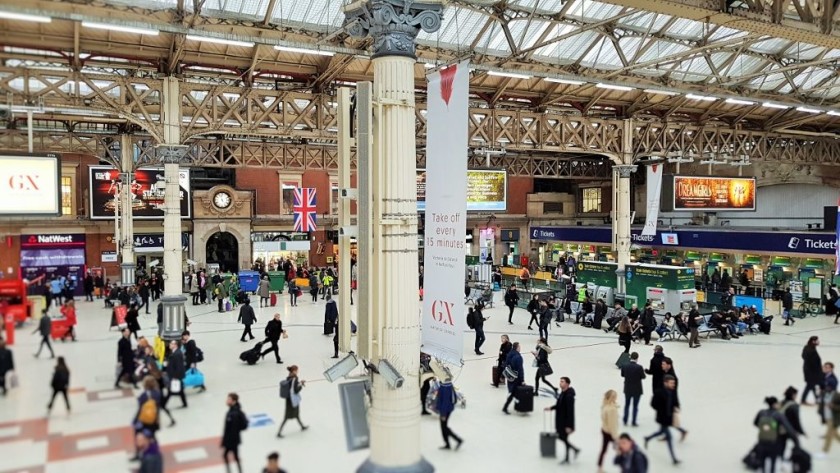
11, 380
194, 378
120, 312
175, 386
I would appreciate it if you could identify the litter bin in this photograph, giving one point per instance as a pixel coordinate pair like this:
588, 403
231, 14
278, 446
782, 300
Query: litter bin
277, 281
249, 281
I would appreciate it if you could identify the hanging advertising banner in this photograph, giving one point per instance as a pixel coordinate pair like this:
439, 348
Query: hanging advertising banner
654, 191
446, 213
486, 190
30, 185
713, 194
147, 188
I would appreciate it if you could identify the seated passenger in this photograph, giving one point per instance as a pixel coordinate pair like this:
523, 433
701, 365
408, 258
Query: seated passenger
585, 309
667, 325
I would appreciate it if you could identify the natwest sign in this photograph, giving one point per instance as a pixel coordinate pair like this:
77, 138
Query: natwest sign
52, 240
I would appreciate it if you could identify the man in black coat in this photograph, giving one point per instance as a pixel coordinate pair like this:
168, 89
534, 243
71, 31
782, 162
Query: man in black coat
273, 331
247, 317
125, 357
648, 322
176, 369
655, 369
7, 363
665, 402
787, 307
235, 422
633, 374
44, 329
564, 416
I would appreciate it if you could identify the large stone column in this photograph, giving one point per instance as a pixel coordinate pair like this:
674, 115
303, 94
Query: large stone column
394, 413
171, 154
621, 198
126, 237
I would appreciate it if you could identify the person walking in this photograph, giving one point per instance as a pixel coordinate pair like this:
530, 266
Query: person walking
655, 369
478, 325
145, 294
7, 365
293, 292
633, 374
648, 322
125, 358
543, 366
694, 321
544, 319
176, 370
295, 386
151, 460
832, 420
812, 370
314, 284
330, 315
88, 287
564, 416
60, 383
273, 332
148, 410
235, 422
132, 320
630, 459
68, 310
504, 349
247, 317
514, 362
263, 289
446, 400
273, 464
609, 424
44, 329
769, 422
511, 301
625, 333
665, 402
533, 309
789, 409
787, 307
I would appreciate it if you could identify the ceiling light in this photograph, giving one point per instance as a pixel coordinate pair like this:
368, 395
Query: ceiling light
704, 98
834, 113
229, 42
564, 81
622, 88
429, 65
121, 29
660, 92
508, 74
773, 105
22, 17
808, 110
739, 102
290, 49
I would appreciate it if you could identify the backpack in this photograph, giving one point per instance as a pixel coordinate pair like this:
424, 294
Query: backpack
199, 355
471, 320
148, 412
285, 388
768, 428
243, 421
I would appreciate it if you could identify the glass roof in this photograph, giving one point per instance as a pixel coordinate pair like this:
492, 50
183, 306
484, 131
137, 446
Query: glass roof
641, 44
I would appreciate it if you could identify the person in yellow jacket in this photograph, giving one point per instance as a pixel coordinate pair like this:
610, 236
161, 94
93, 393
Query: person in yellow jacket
327, 281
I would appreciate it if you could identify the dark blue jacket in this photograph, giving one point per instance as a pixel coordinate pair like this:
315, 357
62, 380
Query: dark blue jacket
514, 360
446, 399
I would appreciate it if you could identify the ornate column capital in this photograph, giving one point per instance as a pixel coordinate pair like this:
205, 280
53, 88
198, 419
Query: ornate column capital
624, 170
393, 24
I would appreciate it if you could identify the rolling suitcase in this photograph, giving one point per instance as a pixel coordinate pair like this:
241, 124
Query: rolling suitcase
800, 460
228, 306
623, 359
273, 298
548, 439
497, 376
524, 396
253, 355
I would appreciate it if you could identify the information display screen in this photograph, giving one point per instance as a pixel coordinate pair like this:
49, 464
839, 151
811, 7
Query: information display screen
714, 193
486, 190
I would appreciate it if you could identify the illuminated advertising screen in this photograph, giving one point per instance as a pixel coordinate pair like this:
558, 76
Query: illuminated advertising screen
486, 190
148, 188
713, 193
30, 184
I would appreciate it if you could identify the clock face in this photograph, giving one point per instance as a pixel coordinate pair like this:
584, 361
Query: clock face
222, 200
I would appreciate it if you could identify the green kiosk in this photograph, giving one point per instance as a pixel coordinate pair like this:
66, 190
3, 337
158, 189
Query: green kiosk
668, 288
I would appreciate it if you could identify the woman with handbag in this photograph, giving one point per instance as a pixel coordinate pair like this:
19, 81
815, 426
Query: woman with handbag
543, 366
293, 400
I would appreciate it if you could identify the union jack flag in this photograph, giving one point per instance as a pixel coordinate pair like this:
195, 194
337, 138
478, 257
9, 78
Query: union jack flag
305, 210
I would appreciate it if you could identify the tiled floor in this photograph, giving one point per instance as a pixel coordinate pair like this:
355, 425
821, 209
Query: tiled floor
721, 388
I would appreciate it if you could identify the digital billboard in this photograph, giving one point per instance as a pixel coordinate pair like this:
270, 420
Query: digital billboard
30, 184
713, 193
148, 188
486, 190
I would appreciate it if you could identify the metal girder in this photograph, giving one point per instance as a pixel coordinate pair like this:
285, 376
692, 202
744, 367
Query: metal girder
776, 18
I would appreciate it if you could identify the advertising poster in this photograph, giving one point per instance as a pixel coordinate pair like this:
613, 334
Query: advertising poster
48, 255
446, 214
147, 189
654, 191
30, 185
486, 190
714, 193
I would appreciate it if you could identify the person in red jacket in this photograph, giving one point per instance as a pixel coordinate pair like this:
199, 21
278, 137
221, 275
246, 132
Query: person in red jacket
68, 310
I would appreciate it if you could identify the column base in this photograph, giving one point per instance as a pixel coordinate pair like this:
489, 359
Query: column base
174, 314
127, 274
422, 466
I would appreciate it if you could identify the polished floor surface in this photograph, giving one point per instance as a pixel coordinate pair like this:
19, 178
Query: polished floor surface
722, 386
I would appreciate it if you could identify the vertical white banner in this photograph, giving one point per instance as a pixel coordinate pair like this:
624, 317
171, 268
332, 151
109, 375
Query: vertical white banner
446, 213
654, 191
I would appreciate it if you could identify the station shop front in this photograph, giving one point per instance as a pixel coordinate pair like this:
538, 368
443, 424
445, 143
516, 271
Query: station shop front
803, 261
